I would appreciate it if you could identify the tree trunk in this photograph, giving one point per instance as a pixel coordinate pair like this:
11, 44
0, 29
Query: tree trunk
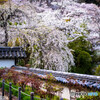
48, 2
6, 37
6, 34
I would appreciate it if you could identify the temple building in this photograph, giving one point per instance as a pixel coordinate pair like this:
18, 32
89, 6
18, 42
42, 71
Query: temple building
9, 56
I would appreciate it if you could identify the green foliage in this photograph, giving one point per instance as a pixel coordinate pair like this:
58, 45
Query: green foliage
26, 98
15, 93
20, 23
6, 87
82, 51
32, 61
10, 43
17, 42
84, 62
10, 23
16, 23
80, 44
51, 88
0, 84
24, 79
21, 62
50, 77
1, 67
2, 0
98, 70
24, 22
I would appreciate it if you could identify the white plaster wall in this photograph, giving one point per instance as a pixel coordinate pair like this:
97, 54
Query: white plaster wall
7, 62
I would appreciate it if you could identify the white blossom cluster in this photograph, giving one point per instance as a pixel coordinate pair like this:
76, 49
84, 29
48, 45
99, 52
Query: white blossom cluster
83, 18
51, 30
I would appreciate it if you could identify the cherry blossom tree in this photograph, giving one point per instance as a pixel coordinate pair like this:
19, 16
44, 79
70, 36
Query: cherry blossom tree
46, 31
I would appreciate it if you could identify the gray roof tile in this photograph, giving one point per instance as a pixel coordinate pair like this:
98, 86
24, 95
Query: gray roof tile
12, 52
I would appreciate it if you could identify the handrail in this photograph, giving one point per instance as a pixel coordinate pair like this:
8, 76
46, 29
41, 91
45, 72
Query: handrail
21, 91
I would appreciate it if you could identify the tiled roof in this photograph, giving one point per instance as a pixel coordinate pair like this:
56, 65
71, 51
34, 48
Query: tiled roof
12, 52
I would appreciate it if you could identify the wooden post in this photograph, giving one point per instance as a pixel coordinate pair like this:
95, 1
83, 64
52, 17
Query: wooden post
32, 95
3, 83
19, 93
10, 92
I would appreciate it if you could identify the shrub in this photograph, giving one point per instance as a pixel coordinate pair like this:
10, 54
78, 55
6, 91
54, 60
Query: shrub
26, 98
82, 51
0, 84
84, 62
10, 75
97, 70
2, 70
6, 88
30, 82
15, 93
21, 62
51, 88
23, 81
35, 84
50, 77
17, 42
